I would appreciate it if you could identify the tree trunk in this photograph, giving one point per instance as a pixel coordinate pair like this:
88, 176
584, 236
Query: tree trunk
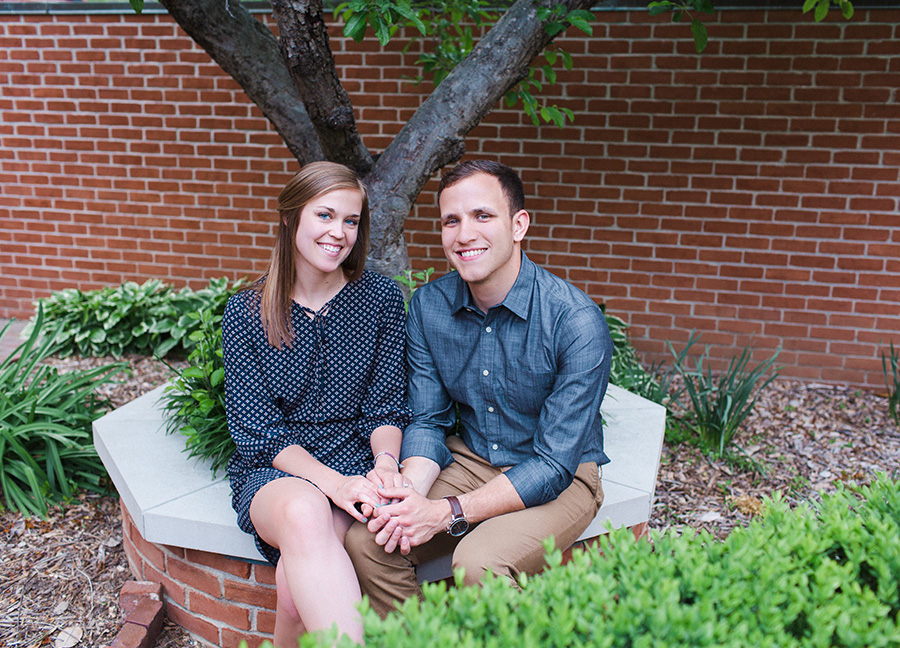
306, 50
304, 72
247, 50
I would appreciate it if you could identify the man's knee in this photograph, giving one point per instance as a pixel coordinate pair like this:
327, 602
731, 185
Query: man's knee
478, 558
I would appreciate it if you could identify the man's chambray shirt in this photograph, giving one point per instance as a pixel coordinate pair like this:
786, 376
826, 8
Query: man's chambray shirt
528, 376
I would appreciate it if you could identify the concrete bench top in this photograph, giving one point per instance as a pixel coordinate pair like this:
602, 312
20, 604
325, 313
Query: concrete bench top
177, 501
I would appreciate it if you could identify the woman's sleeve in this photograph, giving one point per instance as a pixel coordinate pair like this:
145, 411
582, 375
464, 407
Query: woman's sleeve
254, 421
385, 400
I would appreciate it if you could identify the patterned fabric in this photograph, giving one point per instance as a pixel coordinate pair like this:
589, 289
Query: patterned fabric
528, 376
343, 377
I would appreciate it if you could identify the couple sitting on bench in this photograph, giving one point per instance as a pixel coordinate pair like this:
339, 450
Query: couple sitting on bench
345, 487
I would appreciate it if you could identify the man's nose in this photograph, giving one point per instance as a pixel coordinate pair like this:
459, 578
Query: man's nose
466, 230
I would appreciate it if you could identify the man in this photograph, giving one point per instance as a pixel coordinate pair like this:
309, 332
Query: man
525, 356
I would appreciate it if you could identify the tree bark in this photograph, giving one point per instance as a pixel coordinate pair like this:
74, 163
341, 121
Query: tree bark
306, 50
247, 50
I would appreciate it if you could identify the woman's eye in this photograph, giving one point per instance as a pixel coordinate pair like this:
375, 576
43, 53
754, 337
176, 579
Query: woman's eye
324, 215
352, 222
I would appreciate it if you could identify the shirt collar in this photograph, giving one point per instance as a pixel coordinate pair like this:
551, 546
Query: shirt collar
517, 300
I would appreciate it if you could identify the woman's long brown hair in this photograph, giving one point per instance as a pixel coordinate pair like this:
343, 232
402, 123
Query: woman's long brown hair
312, 180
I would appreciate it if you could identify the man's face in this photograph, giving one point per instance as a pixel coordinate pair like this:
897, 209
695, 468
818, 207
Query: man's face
479, 235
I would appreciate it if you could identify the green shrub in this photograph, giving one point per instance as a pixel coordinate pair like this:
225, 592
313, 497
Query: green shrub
194, 401
150, 319
720, 402
46, 448
892, 382
817, 576
626, 371
411, 280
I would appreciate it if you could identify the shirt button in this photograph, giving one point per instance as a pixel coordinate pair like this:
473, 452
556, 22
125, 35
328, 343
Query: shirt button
485, 372
495, 447
490, 409
488, 329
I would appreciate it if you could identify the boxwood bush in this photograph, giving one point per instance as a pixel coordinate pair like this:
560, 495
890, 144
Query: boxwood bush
825, 574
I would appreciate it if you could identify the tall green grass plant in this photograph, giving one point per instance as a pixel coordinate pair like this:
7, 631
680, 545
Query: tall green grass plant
721, 401
46, 448
892, 381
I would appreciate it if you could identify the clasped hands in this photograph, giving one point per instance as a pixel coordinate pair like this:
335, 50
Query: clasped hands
392, 509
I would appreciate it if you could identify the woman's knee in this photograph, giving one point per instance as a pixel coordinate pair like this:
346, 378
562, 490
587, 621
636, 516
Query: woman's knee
292, 516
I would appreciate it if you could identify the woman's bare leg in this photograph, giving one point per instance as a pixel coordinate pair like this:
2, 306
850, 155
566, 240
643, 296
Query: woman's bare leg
288, 624
294, 516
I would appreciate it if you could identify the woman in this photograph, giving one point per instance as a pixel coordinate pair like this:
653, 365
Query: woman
315, 386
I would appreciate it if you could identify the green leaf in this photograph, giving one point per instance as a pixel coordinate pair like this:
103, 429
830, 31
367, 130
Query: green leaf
137, 6
808, 5
847, 9
382, 28
567, 59
582, 24
656, 8
355, 27
554, 28
549, 74
821, 10
698, 30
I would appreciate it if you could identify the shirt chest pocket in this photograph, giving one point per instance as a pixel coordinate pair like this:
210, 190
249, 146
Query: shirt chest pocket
527, 390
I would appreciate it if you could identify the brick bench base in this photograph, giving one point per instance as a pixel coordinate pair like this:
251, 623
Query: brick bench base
219, 600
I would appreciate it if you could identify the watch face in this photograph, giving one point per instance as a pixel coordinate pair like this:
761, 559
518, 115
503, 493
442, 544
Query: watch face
458, 527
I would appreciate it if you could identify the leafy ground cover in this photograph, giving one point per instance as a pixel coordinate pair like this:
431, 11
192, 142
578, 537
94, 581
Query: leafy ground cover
67, 570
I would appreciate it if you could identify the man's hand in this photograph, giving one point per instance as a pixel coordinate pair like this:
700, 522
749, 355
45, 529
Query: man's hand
410, 521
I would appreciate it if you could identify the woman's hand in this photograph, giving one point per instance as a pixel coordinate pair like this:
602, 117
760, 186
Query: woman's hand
384, 475
355, 489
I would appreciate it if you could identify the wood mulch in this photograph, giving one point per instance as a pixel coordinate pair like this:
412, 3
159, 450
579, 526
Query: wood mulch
66, 571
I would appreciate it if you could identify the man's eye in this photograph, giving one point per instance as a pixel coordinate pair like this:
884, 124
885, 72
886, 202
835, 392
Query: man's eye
449, 221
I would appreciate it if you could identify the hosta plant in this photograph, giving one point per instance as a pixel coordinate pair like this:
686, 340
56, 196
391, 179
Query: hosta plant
151, 318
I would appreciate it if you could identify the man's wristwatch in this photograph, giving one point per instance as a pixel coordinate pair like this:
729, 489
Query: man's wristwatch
458, 522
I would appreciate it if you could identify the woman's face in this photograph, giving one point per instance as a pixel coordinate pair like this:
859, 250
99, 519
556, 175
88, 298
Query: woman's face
327, 231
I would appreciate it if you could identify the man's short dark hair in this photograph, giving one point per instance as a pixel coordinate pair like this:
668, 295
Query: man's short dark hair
509, 180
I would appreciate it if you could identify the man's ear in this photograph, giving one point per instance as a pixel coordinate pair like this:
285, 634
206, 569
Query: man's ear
521, 221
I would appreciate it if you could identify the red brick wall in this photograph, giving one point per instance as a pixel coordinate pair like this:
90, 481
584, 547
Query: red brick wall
220, 600
752, 191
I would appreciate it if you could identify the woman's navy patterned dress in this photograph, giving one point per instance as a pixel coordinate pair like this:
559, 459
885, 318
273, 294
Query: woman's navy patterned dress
344, 377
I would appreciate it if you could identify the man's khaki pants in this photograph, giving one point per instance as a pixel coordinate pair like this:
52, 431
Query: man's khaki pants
506, 545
